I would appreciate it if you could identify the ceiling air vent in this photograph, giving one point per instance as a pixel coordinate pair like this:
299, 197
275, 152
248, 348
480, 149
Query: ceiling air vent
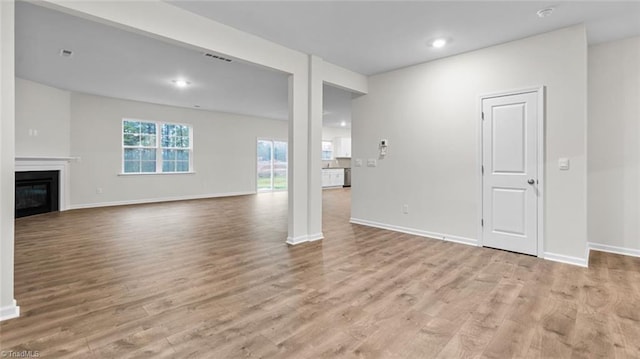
66, 53
217, 57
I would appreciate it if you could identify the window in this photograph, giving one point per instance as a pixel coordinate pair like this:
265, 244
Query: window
272, 165
153, 147
139, 142
176, 150
327, 150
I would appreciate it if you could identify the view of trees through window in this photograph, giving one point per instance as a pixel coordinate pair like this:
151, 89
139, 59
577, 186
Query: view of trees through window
175, 148
143, 154
272, 165
139, 140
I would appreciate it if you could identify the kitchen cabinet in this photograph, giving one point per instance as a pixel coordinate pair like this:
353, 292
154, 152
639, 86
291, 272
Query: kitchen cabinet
342, 147
332, 177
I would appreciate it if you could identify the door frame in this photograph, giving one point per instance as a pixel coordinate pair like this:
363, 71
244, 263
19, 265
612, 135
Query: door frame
255, 162
540, 91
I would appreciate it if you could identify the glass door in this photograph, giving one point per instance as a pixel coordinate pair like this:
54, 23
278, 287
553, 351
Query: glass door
272, 165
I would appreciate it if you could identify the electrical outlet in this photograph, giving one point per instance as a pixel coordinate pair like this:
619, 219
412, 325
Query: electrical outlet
358, 162
405, 208
372, 162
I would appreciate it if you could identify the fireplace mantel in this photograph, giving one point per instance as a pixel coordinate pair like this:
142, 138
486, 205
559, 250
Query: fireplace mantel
45, 159
45, 163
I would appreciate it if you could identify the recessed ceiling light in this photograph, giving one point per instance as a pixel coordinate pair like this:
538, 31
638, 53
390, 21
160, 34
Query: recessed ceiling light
545, 12
181, 83
438, 43
343, 123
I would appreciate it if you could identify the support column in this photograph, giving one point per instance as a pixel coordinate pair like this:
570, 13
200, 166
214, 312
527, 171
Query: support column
8, 307
315, 147
298, 150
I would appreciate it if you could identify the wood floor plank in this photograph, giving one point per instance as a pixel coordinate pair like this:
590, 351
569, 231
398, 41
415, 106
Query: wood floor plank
476, 333
213, 278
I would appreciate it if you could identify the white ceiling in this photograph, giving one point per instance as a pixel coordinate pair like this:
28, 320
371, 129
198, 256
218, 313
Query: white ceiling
370, 37
116, 63
364, 36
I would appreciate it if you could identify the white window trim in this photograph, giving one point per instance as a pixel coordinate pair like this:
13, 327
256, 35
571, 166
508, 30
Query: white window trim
256, 163
332, 151
157, 147
155, 173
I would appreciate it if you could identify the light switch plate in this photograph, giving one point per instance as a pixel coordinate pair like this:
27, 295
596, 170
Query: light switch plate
358, 162
372, 162
563, 163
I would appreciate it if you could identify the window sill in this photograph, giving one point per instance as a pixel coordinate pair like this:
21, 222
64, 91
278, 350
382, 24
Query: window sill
156, 173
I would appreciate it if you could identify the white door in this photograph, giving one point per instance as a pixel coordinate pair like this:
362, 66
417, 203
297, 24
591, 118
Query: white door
510, 164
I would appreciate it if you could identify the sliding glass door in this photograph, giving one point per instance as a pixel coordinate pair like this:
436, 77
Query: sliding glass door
272, 165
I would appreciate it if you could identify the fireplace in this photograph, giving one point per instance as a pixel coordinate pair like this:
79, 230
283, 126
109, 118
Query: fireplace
37, 192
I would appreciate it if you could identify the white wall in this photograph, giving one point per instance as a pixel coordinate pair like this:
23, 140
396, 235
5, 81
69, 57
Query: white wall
87, 126
8, 308
43, 120
614, 145
429, 115
224, 152
329, 133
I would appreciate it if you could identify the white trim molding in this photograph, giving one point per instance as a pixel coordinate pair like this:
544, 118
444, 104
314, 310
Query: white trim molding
417, 232
47, 159
156, 200
582, 262
304, 239
613, 249
60, 164
10, 312
315, 237
561, 258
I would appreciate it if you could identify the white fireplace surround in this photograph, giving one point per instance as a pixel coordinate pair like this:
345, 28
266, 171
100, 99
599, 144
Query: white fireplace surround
60, 164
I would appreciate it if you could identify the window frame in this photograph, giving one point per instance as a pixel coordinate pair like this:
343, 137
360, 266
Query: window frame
158, 148
271, 160
332, 157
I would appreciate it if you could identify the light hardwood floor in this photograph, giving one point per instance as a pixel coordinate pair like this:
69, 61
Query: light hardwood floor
214, 279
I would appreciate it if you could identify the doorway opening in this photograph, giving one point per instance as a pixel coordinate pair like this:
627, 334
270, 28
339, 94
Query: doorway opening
272, 165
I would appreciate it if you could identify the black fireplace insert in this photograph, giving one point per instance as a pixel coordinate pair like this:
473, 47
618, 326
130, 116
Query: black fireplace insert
36, 192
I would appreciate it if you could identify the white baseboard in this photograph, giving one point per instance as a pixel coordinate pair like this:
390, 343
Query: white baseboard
10, 312
582, 262
155, 200
576, 261
417, 232
315, 237
613, 249
304, 239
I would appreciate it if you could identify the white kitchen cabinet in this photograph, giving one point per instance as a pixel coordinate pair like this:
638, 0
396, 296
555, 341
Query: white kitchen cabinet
332, 177
326, 178
342, 147
338, 177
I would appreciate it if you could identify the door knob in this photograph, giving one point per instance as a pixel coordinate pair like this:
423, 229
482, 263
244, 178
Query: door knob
531, 181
